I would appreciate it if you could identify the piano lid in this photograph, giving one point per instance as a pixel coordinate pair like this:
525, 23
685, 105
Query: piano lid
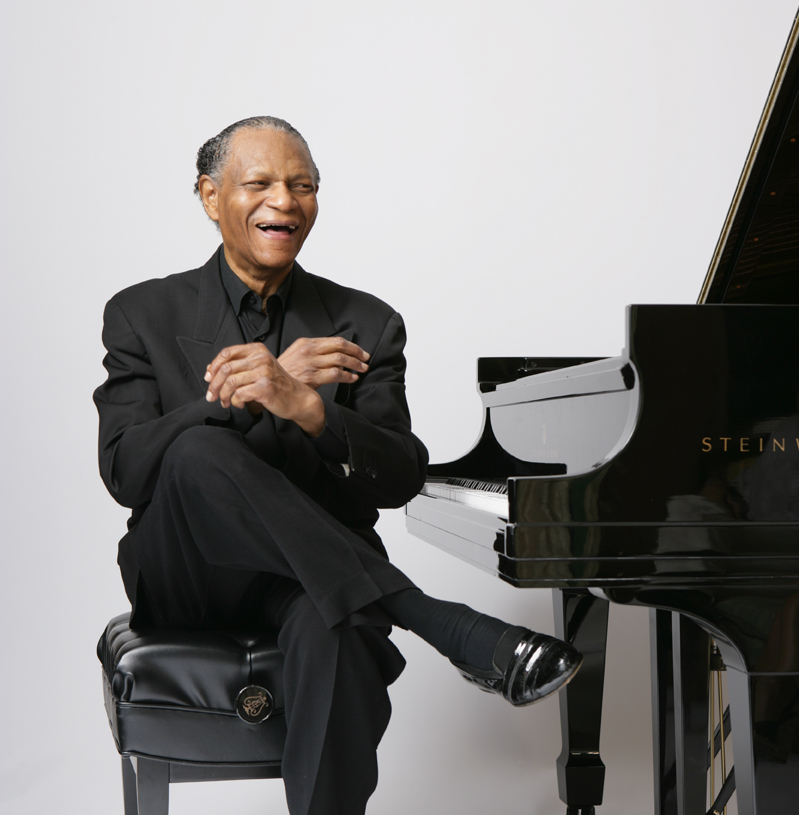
757, 255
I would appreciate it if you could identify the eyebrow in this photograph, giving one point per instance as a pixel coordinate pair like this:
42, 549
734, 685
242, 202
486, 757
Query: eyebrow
263, 173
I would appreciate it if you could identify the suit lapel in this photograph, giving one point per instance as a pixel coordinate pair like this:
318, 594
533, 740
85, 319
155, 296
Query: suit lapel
308, 317
215, 327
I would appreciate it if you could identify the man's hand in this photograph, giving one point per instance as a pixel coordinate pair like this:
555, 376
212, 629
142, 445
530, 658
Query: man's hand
324, 359
249, 376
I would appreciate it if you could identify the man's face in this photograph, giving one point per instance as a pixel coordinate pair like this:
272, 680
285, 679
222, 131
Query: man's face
266, 203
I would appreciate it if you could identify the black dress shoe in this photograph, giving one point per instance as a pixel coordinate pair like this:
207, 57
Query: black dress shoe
527, 667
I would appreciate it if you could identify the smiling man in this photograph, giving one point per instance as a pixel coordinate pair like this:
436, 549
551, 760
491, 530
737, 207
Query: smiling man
254, 419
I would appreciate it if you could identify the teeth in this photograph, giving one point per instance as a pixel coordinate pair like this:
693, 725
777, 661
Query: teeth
287, 227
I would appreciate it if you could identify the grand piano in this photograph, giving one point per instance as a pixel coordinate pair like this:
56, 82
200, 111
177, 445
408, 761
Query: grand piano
667, 477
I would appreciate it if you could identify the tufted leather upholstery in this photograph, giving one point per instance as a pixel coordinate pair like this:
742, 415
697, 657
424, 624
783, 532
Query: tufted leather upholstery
170, 695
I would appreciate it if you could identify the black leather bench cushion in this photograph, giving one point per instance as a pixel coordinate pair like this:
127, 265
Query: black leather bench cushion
171, 694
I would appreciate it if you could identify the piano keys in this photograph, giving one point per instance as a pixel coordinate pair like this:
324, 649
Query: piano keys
666, 477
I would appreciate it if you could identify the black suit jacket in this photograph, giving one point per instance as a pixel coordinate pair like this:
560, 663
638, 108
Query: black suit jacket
160, 336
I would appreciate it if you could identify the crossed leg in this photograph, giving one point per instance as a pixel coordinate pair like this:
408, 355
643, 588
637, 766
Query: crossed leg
227, 536
227, 539
337, 709
218, 509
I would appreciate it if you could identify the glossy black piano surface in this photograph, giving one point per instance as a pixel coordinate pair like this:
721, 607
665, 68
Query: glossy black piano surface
696, 484
667, 477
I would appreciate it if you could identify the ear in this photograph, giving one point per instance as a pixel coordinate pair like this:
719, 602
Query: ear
208, 194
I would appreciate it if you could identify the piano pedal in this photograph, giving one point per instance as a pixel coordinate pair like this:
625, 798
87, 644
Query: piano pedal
578, 811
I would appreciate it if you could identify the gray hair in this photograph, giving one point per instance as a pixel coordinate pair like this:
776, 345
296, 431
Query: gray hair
213, 155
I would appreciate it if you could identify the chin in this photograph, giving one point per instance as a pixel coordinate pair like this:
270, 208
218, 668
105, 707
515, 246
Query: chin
271, 265
277, 262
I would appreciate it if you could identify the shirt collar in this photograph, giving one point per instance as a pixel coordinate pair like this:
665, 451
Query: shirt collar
237, 290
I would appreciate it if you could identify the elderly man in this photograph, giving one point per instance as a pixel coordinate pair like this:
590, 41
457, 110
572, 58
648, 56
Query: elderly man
254, 419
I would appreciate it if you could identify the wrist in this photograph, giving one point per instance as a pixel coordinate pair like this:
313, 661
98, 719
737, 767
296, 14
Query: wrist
312, 419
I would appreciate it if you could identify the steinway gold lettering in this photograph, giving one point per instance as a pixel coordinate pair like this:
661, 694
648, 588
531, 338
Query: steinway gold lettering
744, 444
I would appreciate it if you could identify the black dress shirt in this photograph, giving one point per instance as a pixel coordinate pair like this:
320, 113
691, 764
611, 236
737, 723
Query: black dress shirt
259, 321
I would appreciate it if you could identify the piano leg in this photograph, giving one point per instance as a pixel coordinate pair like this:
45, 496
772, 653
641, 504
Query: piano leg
582, 619
757, 631
662, 656
680, 662
691, 651
765, 737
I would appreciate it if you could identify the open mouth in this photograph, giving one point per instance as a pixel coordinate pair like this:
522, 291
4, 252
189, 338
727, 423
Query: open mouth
277, 229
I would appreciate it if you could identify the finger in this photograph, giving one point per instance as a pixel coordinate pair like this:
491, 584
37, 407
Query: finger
260, 390
308, 367
325, 376
326, 345
334, 359
243, 379
332, 345
338, 375
234, 367
218, 361
226, 355
338, 359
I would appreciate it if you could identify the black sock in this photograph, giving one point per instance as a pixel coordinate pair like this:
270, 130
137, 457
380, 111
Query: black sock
457, 631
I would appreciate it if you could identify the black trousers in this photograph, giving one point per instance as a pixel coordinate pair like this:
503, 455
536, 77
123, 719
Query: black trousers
227, 538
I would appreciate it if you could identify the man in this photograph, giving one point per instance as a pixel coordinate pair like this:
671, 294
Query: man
254, 419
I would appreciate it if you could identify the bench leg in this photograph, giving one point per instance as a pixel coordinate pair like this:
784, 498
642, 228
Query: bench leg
129, 787
152, 787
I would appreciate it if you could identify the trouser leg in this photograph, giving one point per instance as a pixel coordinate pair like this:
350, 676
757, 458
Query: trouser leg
337, 709
218, 509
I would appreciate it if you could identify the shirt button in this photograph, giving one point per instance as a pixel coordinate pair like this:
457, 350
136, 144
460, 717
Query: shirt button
252, 299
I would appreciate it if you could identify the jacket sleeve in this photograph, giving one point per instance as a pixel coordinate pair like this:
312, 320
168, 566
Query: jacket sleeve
134, 432
387, 462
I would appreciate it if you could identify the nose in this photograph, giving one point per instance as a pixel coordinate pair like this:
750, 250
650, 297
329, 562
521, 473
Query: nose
280, 197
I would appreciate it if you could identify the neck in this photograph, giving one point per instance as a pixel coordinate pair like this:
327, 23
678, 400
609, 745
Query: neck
263, 284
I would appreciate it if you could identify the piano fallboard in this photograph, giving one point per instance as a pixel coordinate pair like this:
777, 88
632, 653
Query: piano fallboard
554, 555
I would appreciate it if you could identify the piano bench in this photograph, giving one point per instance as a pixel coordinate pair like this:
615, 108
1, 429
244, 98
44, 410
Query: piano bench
191, 706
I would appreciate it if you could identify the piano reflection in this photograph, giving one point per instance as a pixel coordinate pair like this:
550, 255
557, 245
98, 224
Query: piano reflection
667, 477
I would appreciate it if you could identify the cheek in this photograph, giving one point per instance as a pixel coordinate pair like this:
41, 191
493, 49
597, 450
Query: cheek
311, 218
238, 210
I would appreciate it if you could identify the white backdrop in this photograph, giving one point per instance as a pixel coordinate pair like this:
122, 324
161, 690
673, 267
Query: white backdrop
509, 174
